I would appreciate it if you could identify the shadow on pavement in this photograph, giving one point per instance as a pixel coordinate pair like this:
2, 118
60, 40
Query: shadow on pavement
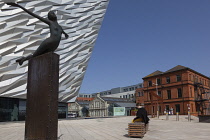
126, 135
60, 136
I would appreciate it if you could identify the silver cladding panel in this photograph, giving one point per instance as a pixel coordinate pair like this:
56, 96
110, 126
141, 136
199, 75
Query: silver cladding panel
21, 34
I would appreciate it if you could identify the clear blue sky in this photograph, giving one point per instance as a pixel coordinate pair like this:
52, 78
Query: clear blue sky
138, 37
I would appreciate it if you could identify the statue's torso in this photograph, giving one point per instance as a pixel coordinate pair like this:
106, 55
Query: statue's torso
56, 31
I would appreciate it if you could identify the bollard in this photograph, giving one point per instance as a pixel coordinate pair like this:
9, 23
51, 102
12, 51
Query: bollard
189, 116
167, 116
177, 116
158, 114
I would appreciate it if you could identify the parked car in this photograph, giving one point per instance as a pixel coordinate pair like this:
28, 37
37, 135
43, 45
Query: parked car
72, 115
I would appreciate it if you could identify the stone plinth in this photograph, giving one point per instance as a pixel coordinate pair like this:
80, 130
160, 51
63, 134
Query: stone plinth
42, 98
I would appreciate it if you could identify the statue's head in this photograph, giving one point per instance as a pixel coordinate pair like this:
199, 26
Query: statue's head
52, 16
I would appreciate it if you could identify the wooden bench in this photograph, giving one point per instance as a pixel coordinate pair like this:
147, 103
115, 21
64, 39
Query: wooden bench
137, 129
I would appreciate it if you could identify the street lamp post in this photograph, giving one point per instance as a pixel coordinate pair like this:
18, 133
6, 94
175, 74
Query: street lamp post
157, 99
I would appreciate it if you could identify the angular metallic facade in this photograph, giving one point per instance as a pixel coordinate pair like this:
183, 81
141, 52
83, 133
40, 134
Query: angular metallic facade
21, 34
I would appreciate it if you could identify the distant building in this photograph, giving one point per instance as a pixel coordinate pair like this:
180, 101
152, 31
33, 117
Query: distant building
81, 95
179, 89
127, 92
104, 106
103, 103
81, 108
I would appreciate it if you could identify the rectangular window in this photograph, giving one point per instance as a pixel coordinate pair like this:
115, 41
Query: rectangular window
9, 109
159, 93
178, 78
196, 79
141, 93
177, 107
160, 109
167, 108
190, 91
149, 83
153, 109
179, 90
97, 104
167, 80
192, 107
169, 94
158, 81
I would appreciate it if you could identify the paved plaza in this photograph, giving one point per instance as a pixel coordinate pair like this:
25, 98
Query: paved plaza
116, 129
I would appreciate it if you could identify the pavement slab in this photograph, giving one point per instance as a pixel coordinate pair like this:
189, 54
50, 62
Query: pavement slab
116, 128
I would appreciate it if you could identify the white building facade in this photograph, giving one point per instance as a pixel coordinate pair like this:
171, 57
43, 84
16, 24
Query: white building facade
98, 107
81, 108
127, 92
104, 106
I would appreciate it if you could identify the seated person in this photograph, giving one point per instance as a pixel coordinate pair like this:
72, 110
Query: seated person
141, 115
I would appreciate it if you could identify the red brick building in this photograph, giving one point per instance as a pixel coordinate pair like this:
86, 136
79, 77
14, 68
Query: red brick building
179, 89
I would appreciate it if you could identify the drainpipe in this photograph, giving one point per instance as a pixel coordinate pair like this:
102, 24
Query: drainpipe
182, 92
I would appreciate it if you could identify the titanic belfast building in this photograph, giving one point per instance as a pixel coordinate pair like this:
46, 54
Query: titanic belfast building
21, 34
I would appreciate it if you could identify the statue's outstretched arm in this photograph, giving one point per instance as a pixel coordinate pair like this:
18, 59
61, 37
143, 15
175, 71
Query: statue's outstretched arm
29, 12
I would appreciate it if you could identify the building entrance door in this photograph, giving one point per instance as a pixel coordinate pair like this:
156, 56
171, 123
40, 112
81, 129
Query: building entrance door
177, 107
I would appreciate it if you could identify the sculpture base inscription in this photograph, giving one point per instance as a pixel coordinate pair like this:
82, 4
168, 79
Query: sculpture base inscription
42, 98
